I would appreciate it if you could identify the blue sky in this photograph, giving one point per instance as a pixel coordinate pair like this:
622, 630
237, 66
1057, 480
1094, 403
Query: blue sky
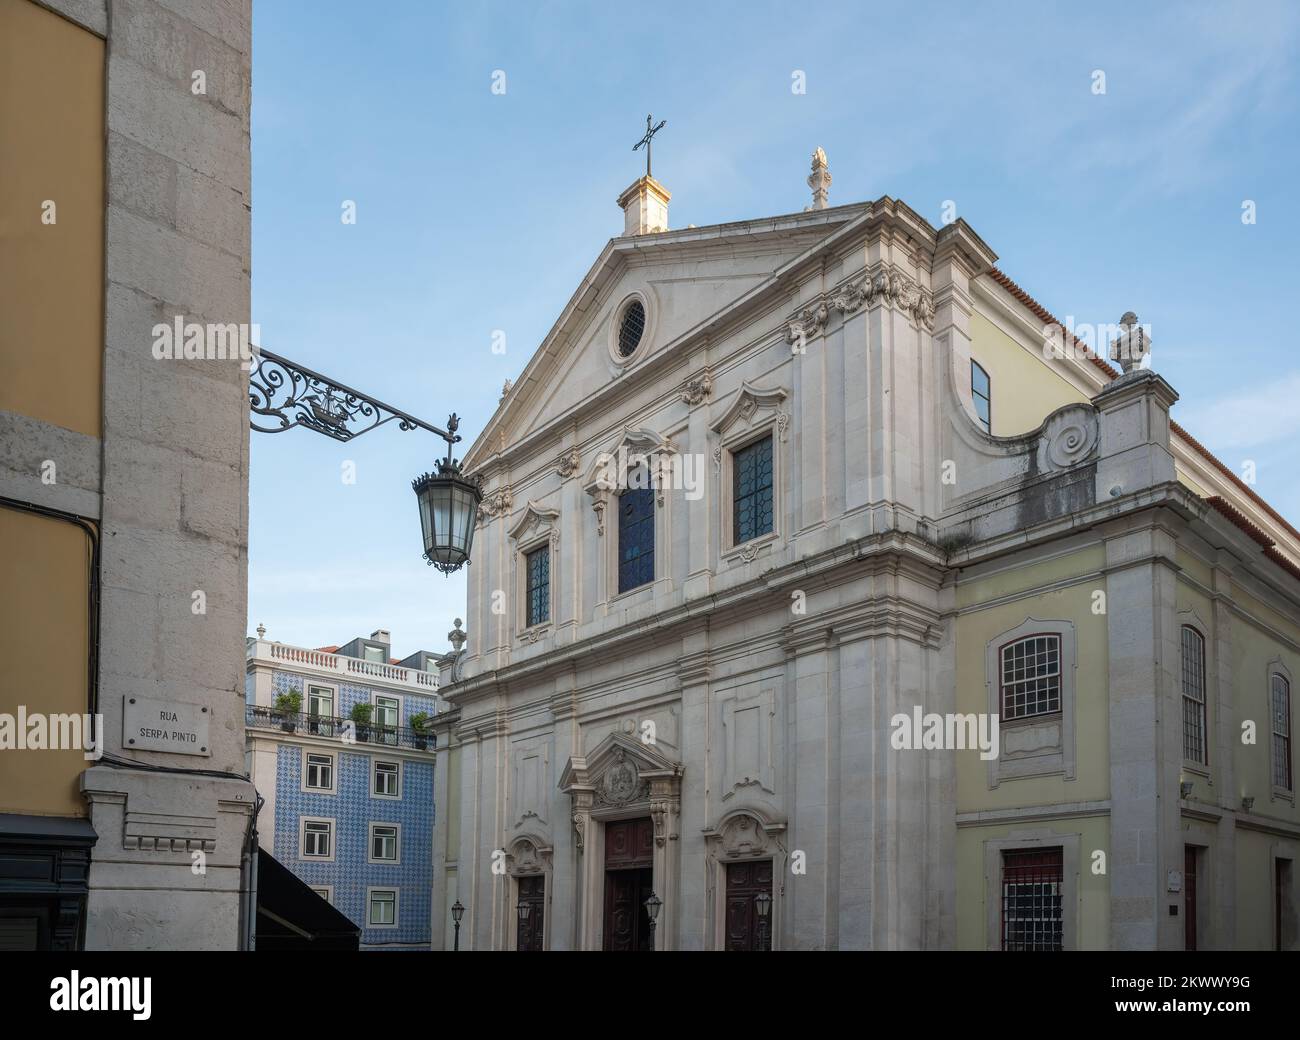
479, 211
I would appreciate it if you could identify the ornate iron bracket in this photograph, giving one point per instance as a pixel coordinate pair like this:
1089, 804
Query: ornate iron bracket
284, 394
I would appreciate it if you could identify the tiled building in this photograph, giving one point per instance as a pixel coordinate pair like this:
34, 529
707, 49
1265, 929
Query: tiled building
349, 803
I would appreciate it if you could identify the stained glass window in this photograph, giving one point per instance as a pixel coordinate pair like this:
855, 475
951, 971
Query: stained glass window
538, 565
636, 538
751, 490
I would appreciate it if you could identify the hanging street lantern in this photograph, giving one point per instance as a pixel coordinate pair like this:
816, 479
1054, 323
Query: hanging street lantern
448, 508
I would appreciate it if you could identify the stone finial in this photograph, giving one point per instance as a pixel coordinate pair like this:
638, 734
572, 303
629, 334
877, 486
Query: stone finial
819, 180
457, 636
261, 631
1131, 344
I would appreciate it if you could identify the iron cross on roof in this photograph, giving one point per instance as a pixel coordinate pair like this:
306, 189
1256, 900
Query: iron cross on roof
650, 131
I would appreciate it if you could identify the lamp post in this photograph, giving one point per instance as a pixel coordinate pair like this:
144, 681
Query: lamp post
283, 394
652, 906
523, 910
763, 904
457, 912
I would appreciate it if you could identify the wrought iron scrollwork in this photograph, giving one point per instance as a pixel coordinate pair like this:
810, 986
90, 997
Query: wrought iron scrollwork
283, 394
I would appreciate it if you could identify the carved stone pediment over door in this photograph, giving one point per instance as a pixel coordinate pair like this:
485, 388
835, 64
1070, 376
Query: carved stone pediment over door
622, 778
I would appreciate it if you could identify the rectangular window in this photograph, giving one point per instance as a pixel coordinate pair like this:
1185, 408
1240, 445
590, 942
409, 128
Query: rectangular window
317, 839
387, 713
537, 566
1031, 677
1281, 732
376, 654
751, 491
1032, 880
387, 780
320, 710
383, 907
981, 393
1194, 749
325, 892
636, 538
383, 842
320, 772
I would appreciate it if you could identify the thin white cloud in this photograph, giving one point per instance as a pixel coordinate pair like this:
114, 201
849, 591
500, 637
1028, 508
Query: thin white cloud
1249, 417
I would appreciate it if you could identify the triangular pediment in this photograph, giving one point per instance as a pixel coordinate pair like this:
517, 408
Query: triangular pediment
687, 279
632, 759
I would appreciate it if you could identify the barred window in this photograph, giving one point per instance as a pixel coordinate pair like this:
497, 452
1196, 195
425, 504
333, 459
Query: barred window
636, 538
538, 567
1281, 698
1194, 747
1031, 677
1032, 883
751, 491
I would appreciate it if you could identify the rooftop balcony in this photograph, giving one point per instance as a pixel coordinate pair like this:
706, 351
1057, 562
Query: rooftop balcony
297, 658
299, 723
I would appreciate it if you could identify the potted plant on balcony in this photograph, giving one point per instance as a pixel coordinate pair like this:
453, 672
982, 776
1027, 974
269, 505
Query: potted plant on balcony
360, 714
419, 726
286, 706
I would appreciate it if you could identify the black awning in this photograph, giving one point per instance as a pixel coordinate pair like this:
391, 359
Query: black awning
290, 916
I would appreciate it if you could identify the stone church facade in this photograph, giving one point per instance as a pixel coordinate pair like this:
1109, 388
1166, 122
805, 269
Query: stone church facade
771, 491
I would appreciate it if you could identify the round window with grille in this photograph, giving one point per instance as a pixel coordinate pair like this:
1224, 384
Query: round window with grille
631, 327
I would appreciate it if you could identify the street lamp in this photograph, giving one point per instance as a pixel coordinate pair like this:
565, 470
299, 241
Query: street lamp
763, 904
652, 906
448, 508
283, 395
457, 912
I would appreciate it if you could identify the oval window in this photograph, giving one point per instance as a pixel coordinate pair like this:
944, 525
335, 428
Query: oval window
631, 328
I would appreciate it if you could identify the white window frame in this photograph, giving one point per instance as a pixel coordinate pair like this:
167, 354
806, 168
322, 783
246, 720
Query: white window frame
302, 838
1276, 667
307, 753
752, 414
375, 727
1025, 745
308, 685
397, 844
374, 774
1202, 766
397, 905
538, 527
326, 892
1037, 838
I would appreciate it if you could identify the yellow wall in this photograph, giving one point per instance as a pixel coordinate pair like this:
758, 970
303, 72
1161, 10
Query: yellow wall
1025, 388
1092, 922
44, 629
51, 275
976, 628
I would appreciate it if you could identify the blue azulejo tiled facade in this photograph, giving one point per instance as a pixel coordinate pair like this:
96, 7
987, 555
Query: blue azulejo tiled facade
351, 874
351, 804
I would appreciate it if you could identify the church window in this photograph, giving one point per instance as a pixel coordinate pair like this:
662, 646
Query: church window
751, 490
1194, 747
631, 327
636, 538
982, 394
538, 592
1031, 677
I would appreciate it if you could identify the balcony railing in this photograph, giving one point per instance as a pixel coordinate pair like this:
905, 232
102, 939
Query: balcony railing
259, 716
287, 656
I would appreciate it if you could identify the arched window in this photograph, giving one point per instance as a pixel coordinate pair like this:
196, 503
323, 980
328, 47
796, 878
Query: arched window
636, 538
1195, 748
1281, 714
981, 392
1030, 677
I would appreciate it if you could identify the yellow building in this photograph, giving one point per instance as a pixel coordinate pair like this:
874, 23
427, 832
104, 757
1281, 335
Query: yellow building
115, 494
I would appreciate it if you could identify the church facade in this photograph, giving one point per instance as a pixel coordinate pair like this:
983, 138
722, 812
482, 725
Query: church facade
828, 595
